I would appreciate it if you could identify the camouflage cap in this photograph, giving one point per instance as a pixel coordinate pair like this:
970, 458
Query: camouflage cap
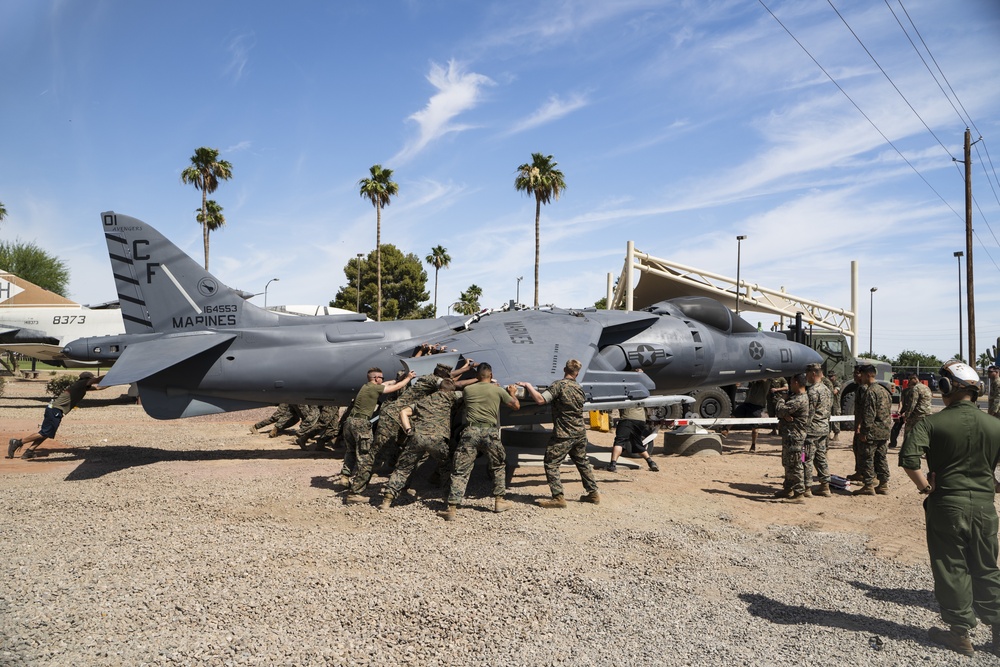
992, 368
442, 370
817, 368
865, 368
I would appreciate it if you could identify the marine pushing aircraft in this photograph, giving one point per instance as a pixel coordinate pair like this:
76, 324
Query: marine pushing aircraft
38, 323
195, 347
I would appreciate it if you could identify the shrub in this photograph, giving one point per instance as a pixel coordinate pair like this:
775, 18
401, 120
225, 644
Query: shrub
55, 386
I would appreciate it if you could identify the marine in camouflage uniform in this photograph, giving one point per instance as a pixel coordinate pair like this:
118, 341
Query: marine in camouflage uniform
430, 421
793, 423
482, 433
860, 390
569, 435
818, 431
772, 396
389, 435
874, 426
916, 404
834, 388
994, 404
358, 427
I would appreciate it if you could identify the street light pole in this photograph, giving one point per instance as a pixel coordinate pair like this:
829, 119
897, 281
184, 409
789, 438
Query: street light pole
517, 298
871, 320
739, 244
958, 255
265, 291
358, 309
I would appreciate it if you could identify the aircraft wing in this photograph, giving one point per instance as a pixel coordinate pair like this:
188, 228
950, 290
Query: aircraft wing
141, 360
534, 346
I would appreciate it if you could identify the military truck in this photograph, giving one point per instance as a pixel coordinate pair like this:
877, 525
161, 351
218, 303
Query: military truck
838, 359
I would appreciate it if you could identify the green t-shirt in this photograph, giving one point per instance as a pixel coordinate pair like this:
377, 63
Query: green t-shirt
367, 400
482, 403
71, 395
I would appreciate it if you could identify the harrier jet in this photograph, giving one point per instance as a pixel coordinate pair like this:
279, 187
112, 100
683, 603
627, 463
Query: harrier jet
195, 347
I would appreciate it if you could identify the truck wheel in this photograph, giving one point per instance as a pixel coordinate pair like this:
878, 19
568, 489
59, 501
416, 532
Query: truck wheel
847, 409
659, 413
711, 403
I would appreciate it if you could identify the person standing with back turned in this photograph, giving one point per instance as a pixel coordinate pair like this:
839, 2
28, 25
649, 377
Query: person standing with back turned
569, 435
962, 446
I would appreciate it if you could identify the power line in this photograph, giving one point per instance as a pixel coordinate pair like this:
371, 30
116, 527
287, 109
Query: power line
855, 104
889, 79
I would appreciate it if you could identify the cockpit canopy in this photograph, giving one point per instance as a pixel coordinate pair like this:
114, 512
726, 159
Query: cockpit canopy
705, 310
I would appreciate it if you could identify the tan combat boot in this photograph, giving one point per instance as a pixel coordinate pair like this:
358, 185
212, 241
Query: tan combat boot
355, 499
795, 498
387, 499
808, 493
501, 505
592, 497
824, 490
960, 643
866, 490
273, 433
552, 503
449, 514
882, 489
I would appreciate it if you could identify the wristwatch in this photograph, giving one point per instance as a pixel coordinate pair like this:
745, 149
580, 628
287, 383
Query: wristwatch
926, 490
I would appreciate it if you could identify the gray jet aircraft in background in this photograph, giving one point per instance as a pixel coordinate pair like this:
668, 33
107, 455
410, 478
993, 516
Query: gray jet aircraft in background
196, 347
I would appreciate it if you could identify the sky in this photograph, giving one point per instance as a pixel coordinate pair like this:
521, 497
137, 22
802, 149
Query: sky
678, 124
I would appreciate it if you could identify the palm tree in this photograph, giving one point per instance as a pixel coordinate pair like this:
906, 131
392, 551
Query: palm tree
539, 179
205, 172
468, 301
3, 211
439, 259
380, 189
215, 218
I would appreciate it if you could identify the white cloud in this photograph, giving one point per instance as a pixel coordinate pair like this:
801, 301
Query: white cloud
457, 92
554, 109
239, 48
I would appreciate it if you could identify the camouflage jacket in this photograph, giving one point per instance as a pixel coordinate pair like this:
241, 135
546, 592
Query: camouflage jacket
432, 414
875, 419
422, 387
994, 407
916, 402
820, 408
567, 408
793, 418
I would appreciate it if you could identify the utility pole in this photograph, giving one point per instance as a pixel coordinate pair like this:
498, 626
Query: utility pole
968, 248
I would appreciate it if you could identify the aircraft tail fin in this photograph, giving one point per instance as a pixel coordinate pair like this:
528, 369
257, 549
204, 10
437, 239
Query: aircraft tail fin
163, 290
16, 292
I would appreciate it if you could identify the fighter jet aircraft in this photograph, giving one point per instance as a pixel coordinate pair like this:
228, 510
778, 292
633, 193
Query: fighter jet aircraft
195, 347
38, 323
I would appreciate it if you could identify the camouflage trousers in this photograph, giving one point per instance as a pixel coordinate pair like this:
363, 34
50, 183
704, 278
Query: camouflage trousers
415, 449
816, 457
874, 461
358, 438
388, 429
477, 439
835, 412
576, 447
389, 439
793, 458
283, 417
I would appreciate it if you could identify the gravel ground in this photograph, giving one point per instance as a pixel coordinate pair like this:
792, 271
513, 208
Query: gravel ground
195, 543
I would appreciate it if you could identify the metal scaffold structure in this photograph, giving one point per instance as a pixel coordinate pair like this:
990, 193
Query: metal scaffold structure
662, 279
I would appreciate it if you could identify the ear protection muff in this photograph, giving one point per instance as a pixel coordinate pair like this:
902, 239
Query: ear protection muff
956, 375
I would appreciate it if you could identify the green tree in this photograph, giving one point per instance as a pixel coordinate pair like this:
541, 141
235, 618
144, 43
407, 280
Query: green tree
3, 211
403, 288
468, 301
215, 219
602, 303
984, 361
539, 179
379, 189
914, 359
205, 172
439, 259
28, 261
